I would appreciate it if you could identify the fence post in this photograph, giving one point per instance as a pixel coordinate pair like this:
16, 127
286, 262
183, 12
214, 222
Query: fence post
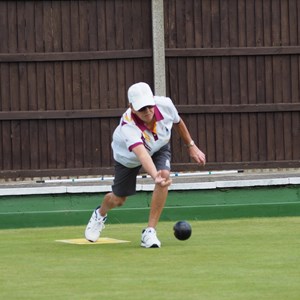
158, 34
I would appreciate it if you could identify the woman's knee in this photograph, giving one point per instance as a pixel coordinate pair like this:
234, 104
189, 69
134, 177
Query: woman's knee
165, 174
119, 201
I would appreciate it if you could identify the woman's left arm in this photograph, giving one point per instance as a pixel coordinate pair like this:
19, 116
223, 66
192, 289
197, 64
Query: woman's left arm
195, 153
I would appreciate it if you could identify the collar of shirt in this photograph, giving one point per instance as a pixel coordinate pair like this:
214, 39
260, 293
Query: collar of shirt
140, 124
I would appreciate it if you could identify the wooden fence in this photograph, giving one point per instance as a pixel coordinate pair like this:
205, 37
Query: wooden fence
232, 69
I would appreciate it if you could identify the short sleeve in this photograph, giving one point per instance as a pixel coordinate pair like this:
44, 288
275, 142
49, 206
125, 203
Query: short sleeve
132, 135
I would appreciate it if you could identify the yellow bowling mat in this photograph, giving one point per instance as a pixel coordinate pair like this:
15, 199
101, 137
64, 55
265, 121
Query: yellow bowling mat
103, 240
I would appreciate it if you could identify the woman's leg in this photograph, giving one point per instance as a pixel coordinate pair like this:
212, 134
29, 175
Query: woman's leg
158, 201
109, 202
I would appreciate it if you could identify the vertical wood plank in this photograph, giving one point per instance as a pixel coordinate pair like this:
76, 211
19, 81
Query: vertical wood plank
232, 123
40, 86
4, 32
76, 85
277, 80
50, 84
15, 130
67, 82
208, 79
286, 80
146, 19
294, 30
5, 147
7, 151
22, 85
222, 90
12, 27
260, 78
85, 84
191, 71
250, 31
269, 92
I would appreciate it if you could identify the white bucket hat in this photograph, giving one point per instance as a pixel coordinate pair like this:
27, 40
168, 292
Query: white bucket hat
140, 95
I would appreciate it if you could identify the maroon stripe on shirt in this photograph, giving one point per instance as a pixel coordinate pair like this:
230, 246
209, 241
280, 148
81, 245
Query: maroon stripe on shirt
134, 145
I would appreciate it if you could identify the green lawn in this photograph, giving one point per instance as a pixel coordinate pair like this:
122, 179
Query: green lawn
255, 258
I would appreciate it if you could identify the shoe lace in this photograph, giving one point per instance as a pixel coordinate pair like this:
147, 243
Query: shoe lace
99, 224
149, 235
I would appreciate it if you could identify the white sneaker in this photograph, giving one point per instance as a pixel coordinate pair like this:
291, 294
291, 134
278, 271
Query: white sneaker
149, 238
95, 226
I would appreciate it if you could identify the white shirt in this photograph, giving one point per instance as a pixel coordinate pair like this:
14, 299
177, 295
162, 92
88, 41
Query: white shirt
132, 132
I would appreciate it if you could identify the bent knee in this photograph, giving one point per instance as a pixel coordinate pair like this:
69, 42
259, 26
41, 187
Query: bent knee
165, 174
119, 201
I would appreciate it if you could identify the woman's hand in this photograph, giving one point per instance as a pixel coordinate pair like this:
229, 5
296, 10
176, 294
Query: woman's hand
197, 155
163, 182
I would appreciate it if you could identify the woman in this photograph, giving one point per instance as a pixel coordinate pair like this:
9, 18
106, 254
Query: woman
142, 139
